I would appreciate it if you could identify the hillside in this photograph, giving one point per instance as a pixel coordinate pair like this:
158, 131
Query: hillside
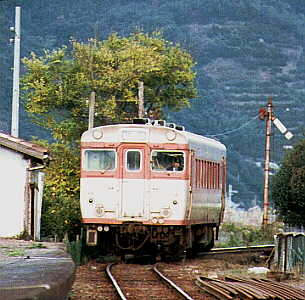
246, 50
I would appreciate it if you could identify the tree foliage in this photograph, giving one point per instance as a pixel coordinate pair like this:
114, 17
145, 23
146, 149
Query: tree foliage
57, 85
60, 210
288, 186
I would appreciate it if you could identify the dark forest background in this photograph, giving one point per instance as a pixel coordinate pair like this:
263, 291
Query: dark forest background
246, 51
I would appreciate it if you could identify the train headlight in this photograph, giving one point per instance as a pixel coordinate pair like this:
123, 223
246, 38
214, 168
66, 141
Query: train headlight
106, 228
170, 135
99, 209
154, 220
99, 228
165, 212
97, 133
90, 200
161, 221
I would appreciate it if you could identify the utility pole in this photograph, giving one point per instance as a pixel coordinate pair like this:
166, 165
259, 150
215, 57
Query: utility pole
92, 94
91, 110
16, 72
270, 118
141, 99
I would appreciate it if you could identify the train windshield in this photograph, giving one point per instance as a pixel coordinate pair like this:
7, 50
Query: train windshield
167, 160
96, 160
133, 160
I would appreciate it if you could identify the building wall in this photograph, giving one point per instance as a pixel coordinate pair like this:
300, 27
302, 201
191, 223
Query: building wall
12, 192
39, 180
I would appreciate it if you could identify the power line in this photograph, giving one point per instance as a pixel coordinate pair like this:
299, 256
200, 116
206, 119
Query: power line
236, 129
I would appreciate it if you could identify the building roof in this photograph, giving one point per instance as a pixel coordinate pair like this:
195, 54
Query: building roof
23, 146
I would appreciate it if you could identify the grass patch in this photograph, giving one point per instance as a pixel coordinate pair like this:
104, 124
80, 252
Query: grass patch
75, 250
36, 246
16, 252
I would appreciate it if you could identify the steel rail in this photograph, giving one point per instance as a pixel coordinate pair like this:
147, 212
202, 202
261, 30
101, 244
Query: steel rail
250, 289
172, 284
220, 292
114, 282
241, 249
284, 289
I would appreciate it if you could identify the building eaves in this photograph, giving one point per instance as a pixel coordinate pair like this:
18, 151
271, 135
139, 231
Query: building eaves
24, 147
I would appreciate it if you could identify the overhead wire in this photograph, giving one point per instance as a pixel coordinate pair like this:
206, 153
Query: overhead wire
234, 130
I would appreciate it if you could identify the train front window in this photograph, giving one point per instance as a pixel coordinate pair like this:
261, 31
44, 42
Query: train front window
97, 160
133, 160
162, 160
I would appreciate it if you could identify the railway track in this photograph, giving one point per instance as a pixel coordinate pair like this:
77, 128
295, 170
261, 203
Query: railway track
267, 249
188, 279
148, 282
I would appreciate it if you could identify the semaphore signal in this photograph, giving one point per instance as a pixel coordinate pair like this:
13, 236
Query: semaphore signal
269, 116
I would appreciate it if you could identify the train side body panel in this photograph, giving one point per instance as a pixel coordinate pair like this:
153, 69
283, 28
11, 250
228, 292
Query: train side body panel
208, 203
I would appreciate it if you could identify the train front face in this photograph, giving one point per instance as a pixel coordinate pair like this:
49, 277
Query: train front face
134, 192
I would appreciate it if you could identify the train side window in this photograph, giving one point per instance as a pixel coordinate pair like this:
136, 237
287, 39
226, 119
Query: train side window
133, 160
162, 160
97, 160
197, 164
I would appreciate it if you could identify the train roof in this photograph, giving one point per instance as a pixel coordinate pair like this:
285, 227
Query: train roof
148, 133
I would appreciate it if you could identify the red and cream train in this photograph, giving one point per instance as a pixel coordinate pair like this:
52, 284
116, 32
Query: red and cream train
151, 187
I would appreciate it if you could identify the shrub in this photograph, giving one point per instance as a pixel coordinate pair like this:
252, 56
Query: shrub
233, 235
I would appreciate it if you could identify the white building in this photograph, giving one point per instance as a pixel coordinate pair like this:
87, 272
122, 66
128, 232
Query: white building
21, 186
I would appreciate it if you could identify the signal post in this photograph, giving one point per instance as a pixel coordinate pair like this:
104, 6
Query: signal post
268, 115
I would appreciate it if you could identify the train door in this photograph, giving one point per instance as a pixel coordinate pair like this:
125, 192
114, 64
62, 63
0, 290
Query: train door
133, 174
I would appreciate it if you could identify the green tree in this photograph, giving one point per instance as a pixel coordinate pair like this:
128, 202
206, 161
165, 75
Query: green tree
57, 85
60, 210
288, 186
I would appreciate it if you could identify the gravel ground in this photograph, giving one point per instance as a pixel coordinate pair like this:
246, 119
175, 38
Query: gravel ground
91, 283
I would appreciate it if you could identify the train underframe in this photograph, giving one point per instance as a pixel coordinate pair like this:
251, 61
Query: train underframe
161, 240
